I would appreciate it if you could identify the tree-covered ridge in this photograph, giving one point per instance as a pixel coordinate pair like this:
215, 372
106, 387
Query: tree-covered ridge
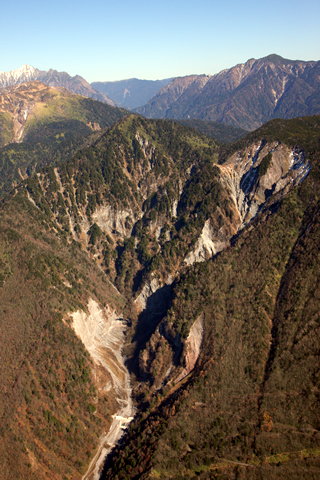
152, 187
218, 131
52, 125
249, 409
61, 105
6, 128
51, 411
132, 207
155, 175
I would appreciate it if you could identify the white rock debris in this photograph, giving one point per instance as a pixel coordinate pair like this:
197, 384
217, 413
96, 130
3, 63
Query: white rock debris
206, 246
192, 347
112, 219
102, 333
148, 289
249, 190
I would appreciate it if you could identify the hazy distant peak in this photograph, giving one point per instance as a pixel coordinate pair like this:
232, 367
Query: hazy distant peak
131, 92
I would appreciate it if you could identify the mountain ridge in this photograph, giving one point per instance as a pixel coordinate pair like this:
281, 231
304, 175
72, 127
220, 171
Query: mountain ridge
52, 78
246, 95
132, 92
40, 124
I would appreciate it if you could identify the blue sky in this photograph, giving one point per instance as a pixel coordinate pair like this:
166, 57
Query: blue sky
154, 39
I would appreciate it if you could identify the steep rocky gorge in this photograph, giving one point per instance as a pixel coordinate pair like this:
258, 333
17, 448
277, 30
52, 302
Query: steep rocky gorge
262, 173
224, 375
251, 177
146, 248
138, 231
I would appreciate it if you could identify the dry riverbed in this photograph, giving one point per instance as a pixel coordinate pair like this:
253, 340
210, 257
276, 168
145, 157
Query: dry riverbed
102, 333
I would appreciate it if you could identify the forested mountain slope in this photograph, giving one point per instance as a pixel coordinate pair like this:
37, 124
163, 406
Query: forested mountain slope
218, 131
253, 395
53, 265
41, 125
213, 253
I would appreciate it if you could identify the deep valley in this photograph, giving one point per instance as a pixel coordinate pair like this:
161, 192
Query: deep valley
160, 286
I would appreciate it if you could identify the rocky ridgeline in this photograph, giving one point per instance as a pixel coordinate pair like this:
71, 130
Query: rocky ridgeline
52, 78
246, 95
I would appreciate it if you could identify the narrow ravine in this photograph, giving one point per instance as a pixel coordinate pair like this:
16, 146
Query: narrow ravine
102, 333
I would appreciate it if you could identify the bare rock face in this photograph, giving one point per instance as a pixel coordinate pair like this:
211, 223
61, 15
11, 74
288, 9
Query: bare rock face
102, 333
251, 178
147, 148
209, 243
261, 171
192, 348
52, 78
246, 95
113, 220
25, 73
169, 94
153, 298
148, 290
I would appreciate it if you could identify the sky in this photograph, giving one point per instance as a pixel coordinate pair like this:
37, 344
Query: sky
108, 40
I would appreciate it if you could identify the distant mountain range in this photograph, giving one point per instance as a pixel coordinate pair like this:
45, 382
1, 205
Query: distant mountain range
52, 78
244, 96
131, 93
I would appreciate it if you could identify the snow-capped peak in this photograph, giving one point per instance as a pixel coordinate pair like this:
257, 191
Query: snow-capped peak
23, 74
